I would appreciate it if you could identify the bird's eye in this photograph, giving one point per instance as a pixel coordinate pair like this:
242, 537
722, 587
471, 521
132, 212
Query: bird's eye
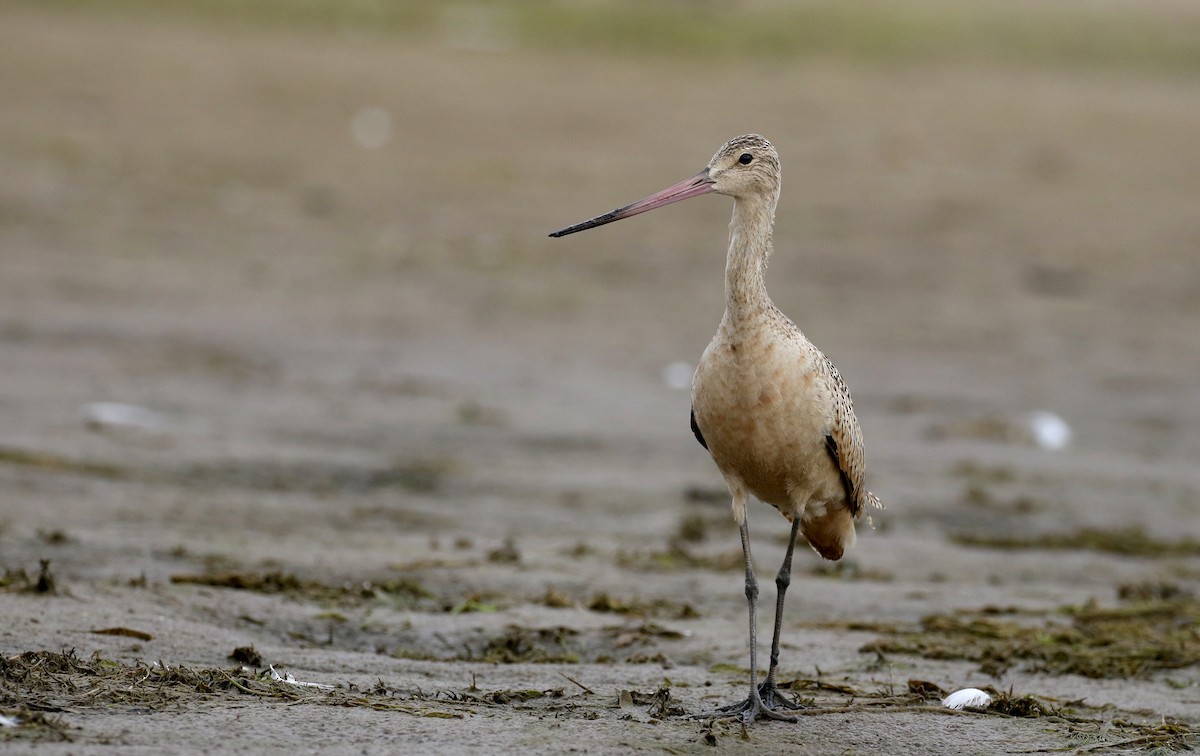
745, 158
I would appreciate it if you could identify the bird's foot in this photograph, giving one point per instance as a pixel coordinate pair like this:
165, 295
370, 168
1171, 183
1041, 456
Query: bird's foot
768, 702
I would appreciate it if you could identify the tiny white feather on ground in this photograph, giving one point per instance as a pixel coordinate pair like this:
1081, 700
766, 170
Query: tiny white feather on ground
967, 698
291, 680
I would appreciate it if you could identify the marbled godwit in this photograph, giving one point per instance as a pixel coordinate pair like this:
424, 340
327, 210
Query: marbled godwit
772, 410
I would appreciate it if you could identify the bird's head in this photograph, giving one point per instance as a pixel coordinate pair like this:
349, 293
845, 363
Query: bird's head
745, 166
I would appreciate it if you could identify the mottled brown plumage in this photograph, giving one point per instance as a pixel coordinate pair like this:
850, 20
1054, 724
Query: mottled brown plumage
772, 411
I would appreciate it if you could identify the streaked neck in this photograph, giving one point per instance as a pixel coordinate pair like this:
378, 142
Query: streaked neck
749, 248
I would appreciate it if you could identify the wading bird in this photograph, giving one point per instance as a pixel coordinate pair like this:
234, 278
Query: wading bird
772, 410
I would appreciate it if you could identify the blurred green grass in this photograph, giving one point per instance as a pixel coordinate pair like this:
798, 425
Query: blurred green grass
1157, 35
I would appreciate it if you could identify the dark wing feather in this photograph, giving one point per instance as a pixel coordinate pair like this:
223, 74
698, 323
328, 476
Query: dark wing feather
845, 443
847, 484
696, 430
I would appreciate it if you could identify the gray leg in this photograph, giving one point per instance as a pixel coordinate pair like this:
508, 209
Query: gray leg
752, 600
754, 707
782, 581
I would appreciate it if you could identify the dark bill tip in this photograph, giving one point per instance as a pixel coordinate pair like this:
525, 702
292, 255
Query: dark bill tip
599, 220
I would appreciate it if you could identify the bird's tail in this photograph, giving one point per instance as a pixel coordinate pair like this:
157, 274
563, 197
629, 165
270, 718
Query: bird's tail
875, 503
830, 531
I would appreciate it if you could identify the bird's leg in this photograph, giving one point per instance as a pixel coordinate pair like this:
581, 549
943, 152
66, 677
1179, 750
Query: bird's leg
752, 600
754, 706
768, 691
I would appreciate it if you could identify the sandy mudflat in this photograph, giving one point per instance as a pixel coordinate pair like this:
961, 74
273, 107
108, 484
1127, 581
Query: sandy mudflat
402, 444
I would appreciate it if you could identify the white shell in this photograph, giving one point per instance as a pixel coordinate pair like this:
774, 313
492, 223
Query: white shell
371, 127
1049, 430
967, 698
117, 415
678, 375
